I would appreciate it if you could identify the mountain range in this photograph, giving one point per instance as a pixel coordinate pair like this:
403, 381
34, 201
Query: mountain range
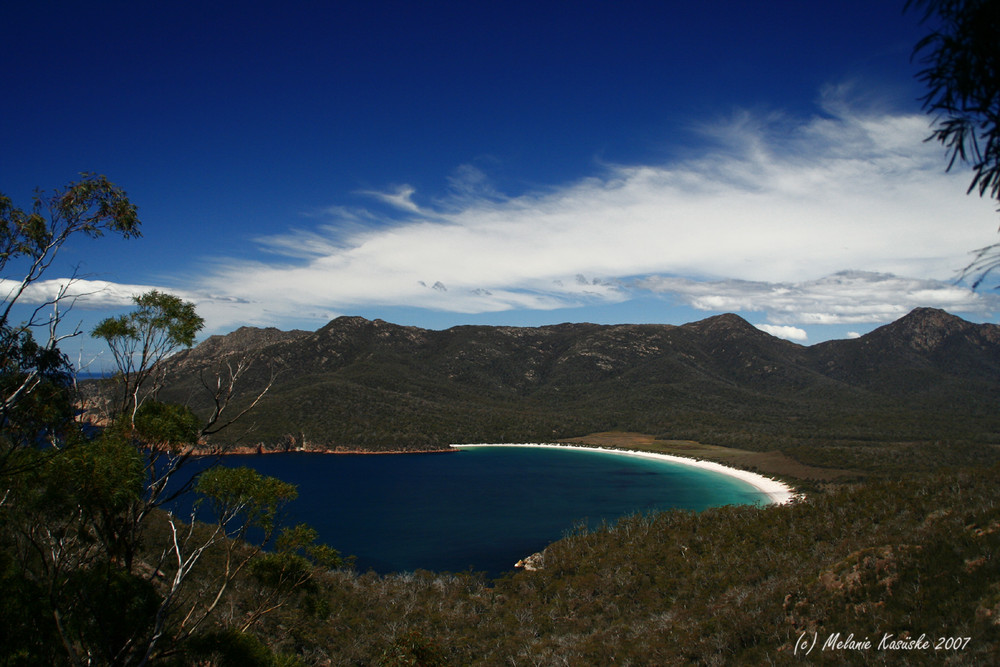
929, 377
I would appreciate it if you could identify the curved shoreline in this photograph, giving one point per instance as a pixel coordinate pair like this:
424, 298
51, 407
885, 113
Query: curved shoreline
779, 493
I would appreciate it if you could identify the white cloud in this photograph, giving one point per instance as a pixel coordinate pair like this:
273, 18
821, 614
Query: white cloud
402, 198
790, 333
100, 295
751, 224
843, 298
84, 293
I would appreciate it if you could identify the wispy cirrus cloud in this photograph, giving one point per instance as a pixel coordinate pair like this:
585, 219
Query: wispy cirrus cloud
774, 202
846, 216
401, 198
847, 297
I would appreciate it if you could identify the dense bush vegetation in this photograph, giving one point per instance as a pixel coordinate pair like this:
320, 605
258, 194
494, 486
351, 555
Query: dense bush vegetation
85, 575
927, 378
733, 585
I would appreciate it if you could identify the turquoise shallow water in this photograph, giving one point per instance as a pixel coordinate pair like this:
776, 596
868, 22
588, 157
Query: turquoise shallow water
481, 508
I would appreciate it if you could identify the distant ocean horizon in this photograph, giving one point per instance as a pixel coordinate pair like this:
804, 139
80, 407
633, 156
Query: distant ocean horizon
481, 509
94, 375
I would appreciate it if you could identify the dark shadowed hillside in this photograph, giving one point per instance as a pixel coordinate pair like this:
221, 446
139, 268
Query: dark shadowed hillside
928, 377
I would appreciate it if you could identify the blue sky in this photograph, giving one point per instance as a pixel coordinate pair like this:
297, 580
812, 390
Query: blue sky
517, 163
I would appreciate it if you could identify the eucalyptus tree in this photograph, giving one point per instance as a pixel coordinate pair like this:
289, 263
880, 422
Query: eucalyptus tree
95, 568
139, 340
961, 59
169, 434
34, 373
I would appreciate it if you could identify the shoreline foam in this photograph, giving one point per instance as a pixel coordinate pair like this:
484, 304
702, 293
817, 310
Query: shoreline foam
779, 493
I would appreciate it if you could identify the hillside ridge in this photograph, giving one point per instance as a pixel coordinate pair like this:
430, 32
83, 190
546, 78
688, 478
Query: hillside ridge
371, 384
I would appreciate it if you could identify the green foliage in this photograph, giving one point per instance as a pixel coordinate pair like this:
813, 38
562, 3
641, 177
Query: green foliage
731, 585
167, 424
962, 61
157, 316
62, 538
290, 567
35, 405
107, 473
29, 242
43, 414
302, 539
244, 492
110, 610
365, 385
91, 571
276, 569
84, 580
230, 648
159, 325
24, 355
412, 650
91, 206
29, 636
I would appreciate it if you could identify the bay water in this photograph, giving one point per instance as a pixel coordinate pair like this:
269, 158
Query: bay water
482, 508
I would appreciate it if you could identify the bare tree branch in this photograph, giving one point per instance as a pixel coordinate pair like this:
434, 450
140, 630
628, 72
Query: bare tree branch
223, 391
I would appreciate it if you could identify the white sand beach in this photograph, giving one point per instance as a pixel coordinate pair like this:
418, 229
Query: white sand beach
778, 492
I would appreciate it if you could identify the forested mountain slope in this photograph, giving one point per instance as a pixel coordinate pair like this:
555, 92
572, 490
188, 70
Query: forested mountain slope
355, 383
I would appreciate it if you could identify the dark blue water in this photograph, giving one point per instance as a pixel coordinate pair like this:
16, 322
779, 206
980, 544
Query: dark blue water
482, 508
